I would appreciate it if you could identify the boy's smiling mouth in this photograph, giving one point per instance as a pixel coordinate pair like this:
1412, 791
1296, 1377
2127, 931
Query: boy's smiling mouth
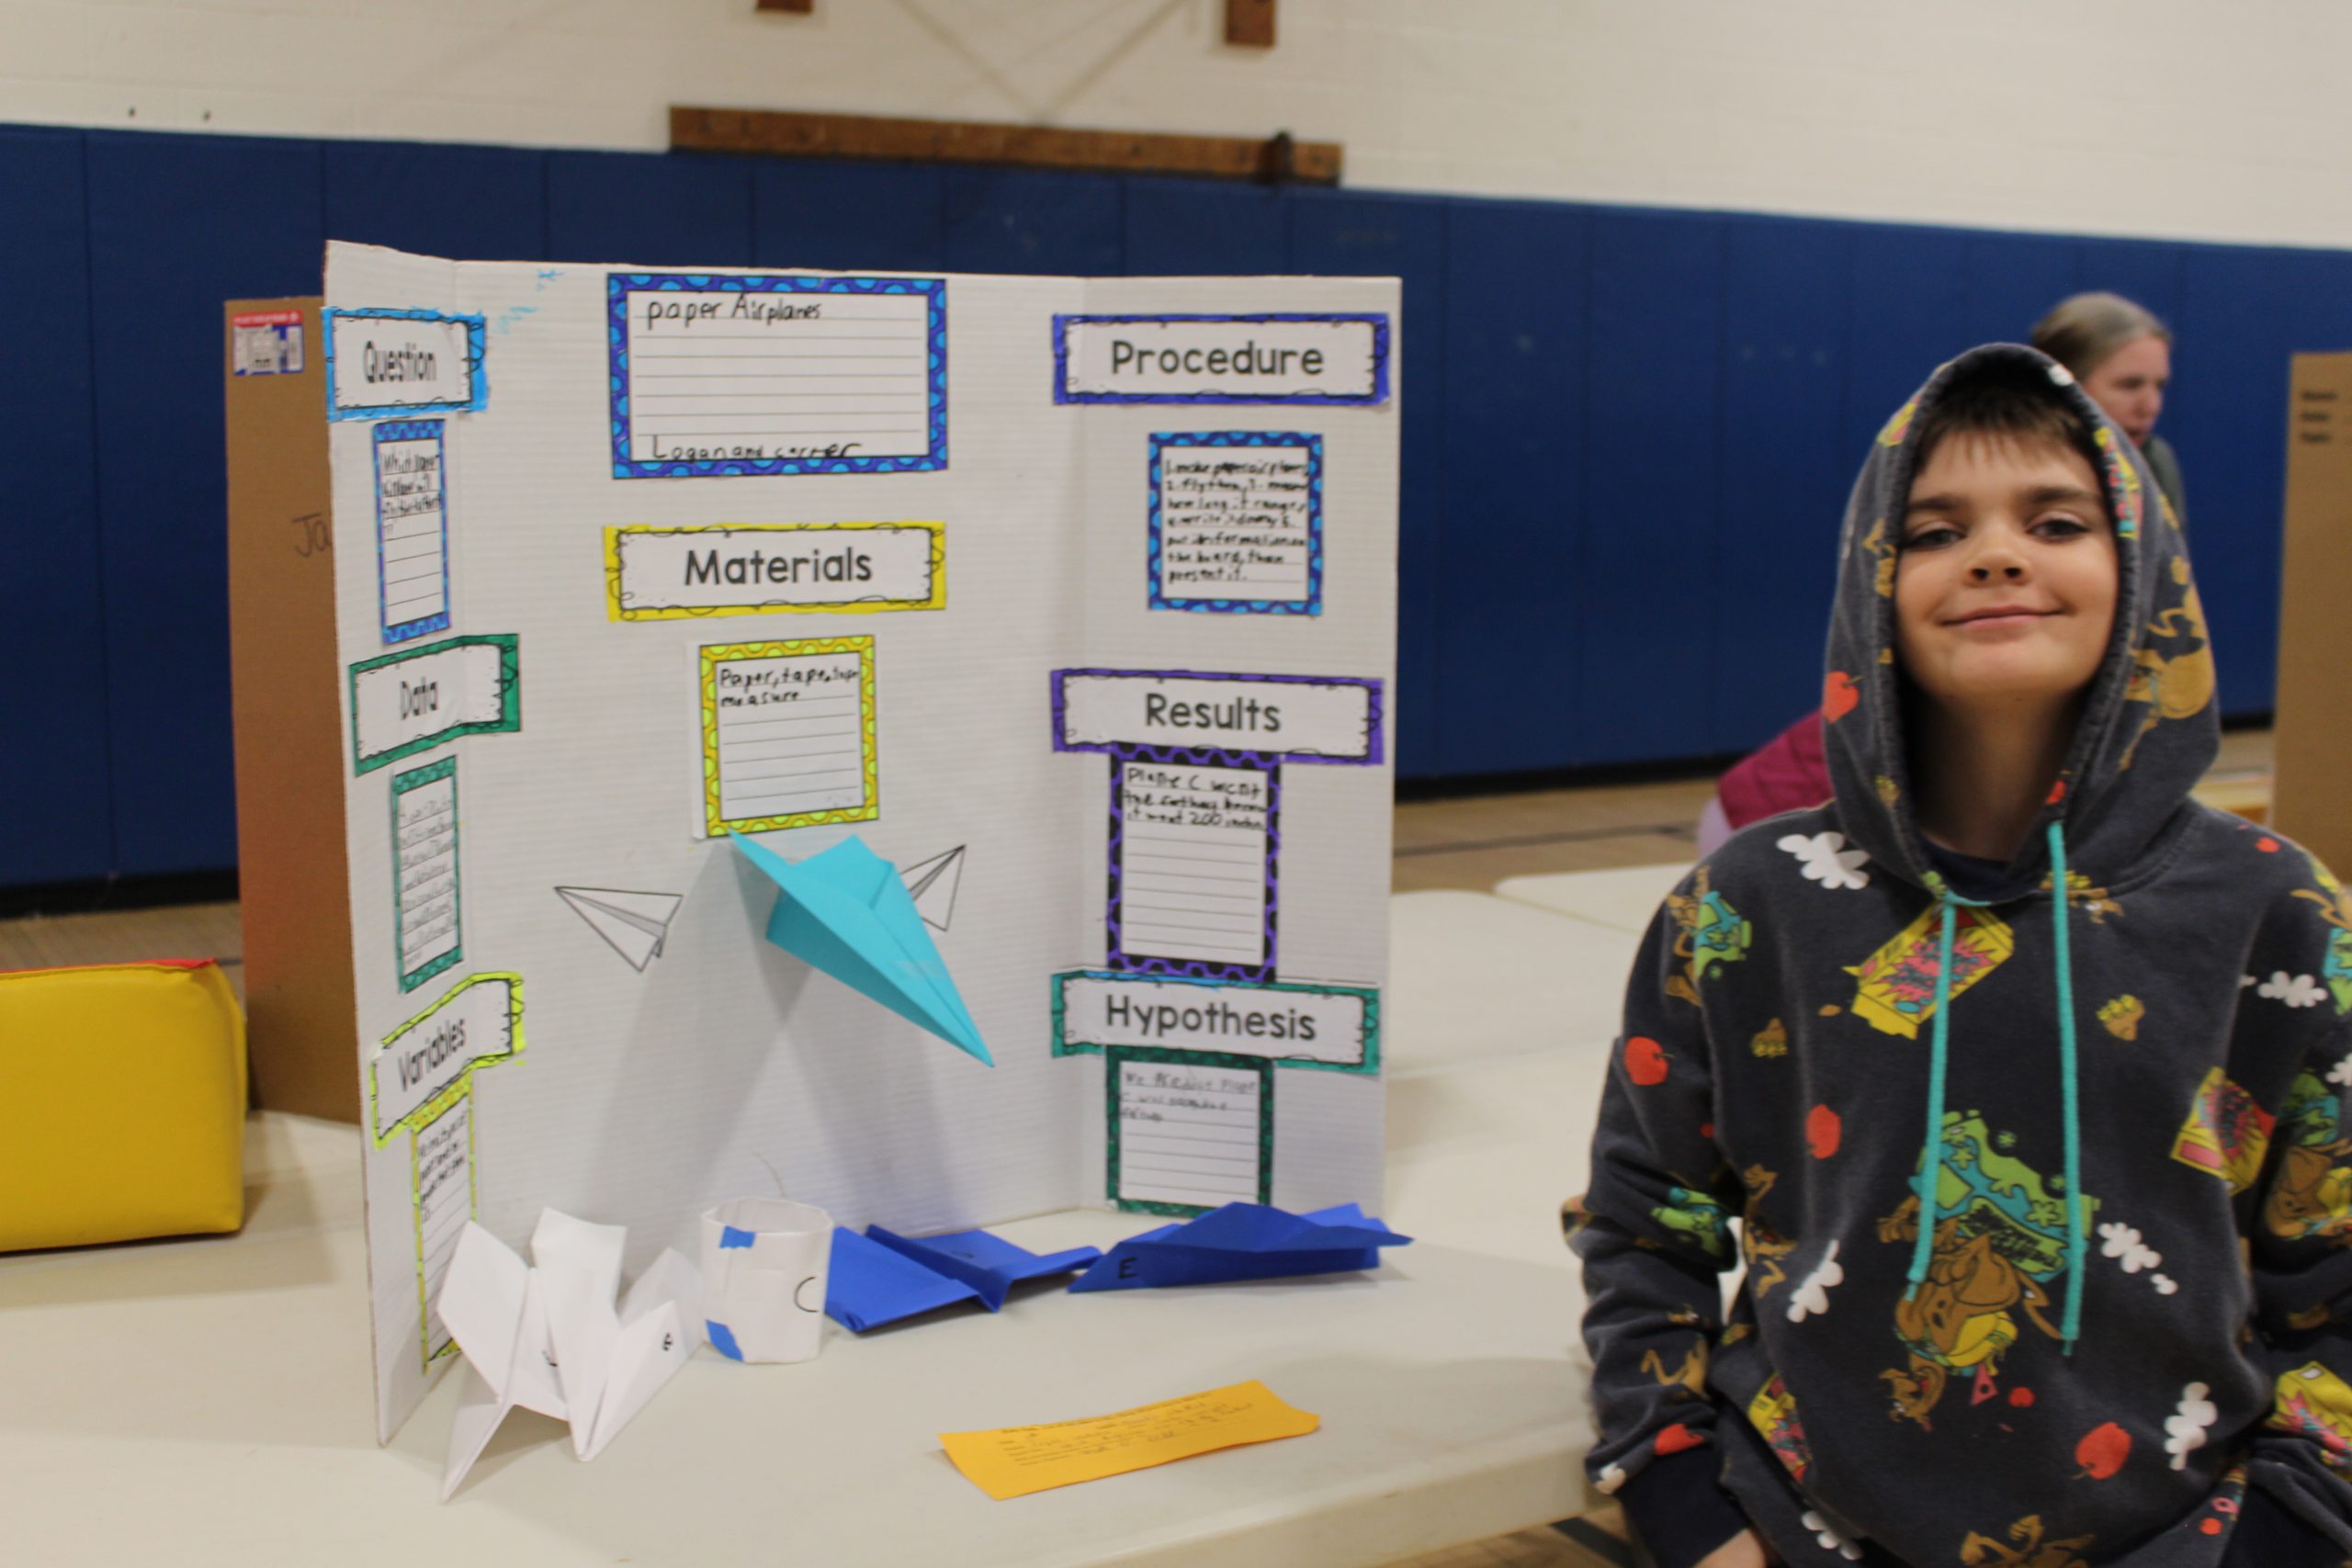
1991, 616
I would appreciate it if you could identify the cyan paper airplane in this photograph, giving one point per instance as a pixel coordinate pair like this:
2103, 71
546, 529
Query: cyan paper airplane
846, 911
881, 1277
1243, 1241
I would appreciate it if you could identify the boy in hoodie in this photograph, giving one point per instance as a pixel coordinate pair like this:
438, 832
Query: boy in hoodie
2018, 1068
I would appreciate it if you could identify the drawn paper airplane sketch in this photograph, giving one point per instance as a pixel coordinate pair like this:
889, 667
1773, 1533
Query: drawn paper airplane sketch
845, 911
634, 924
933, 884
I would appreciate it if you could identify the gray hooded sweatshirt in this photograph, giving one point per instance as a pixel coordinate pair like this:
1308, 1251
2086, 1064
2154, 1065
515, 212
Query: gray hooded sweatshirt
1938, 1353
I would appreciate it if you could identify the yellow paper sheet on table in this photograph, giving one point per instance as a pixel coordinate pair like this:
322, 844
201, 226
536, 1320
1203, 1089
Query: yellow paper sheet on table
1016, 1461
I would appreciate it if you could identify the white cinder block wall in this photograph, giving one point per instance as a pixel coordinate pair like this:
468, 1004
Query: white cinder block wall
2186, 118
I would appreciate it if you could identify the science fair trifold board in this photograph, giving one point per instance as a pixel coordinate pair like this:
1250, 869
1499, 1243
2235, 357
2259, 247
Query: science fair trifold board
1072, 598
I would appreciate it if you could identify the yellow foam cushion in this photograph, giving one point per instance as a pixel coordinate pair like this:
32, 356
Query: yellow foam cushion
123, 1104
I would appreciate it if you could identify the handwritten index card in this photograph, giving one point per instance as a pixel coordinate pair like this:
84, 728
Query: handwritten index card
778, 375
411, 527
1190, 1132
424, 865
445, 1202
1237, 522
1193, 871
787, 734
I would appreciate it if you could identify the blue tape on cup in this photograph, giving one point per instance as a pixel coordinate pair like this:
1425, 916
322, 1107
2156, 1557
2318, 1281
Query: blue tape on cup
722, 1340
730, 1236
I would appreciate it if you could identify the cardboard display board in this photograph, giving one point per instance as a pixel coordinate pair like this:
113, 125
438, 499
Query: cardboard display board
283, 663
1073, 599
2312, 789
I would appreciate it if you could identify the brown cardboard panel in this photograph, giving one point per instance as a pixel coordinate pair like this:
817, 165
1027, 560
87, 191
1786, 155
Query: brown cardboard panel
2312, 796
291, 872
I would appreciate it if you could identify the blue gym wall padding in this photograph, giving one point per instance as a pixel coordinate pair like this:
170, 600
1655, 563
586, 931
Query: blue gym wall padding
53, 795
1626, 435
177, 224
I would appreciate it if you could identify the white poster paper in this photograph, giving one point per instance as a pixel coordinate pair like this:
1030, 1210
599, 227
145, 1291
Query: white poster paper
786, 662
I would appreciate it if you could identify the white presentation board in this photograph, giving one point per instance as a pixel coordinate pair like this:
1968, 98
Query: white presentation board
1074, 598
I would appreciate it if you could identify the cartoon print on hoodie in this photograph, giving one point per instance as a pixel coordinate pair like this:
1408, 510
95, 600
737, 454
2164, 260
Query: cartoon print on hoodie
1970, 1346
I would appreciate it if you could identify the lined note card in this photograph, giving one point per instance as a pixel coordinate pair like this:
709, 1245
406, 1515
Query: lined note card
425, 869
445, 1202
1195, 870
778, 375
787, 734
1189, 1133
411, 527
1237, 522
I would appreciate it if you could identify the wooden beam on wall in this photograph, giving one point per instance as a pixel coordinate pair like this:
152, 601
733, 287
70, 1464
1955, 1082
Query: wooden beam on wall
781, 133
1250, 23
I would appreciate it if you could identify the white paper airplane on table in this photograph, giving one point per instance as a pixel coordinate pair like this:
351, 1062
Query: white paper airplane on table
635, 924
933, 884
549, 1338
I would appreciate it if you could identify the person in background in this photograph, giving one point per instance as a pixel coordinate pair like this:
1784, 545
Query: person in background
2119, 354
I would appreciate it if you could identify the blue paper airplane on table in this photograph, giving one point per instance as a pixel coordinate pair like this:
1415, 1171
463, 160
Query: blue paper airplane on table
1243, 1241
881, 1277
845, 911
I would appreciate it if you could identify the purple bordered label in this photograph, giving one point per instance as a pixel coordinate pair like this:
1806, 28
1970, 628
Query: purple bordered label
1164, 714
1195, 844
1276, 357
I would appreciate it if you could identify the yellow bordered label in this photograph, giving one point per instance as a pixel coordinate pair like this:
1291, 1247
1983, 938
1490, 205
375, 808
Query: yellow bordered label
773, 568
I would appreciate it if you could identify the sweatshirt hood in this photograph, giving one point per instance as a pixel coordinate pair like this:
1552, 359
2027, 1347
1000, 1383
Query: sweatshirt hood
2150, 727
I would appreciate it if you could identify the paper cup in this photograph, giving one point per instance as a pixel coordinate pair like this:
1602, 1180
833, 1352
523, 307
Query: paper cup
764, 1267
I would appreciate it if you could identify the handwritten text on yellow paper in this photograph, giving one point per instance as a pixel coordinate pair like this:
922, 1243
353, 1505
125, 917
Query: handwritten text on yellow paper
1016, 1461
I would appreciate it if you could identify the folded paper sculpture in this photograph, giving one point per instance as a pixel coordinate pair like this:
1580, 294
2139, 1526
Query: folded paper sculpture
1243, 1241
847, 912
882, 1277
547, 1335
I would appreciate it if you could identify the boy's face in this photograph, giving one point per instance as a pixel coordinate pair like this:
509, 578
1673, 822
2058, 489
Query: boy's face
2005, 583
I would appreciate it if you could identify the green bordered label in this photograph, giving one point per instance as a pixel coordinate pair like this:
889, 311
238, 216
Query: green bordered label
413, 700
1335, 1029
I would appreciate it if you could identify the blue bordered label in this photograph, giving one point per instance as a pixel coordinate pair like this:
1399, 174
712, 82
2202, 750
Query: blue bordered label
1237, 522
382, 364
1276, 357
719, 375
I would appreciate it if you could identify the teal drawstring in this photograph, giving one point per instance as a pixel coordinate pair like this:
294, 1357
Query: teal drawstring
2076, 1241
1931, 1164
1931, 1158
